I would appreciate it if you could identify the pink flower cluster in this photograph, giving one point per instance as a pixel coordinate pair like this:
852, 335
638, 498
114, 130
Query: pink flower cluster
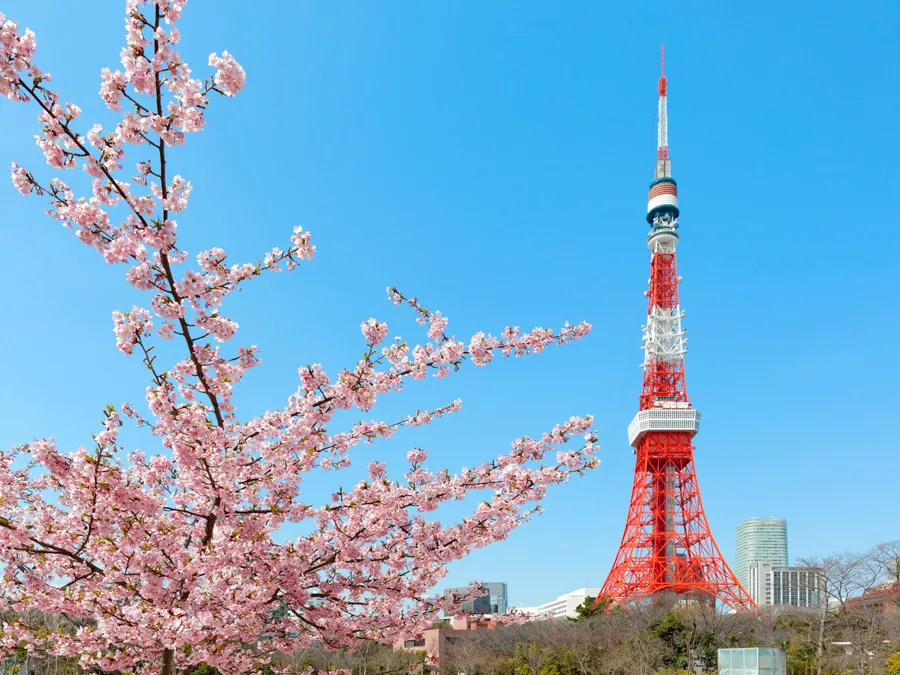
21, 180
374, 332
16, 55
130, 327
417, 456
230, 77
182, 554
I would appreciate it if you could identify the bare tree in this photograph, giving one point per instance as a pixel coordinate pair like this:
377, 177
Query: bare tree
844, 576
464, 654
584, 645
640, 655
886, 558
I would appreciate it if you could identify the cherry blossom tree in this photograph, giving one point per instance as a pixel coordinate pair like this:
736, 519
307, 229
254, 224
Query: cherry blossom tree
161, 561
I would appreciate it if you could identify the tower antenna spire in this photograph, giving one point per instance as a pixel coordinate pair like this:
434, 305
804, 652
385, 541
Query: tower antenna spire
663, 167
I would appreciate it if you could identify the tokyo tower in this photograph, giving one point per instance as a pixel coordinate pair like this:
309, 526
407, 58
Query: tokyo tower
668, 553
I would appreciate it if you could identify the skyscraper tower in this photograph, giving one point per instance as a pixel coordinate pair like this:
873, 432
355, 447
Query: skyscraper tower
667, 551
759, 540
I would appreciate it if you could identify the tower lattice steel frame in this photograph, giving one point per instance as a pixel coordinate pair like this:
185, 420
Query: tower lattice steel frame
667, 552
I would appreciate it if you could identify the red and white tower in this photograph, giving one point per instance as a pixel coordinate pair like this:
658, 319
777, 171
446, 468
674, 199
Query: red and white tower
667, 551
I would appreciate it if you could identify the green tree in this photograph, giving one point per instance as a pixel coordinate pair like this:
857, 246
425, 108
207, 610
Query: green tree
671, 631
589, 607
531, 660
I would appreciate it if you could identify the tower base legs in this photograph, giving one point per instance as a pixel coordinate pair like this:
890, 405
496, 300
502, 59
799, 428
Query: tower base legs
668, 556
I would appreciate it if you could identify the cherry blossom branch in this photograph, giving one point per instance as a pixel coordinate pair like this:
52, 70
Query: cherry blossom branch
180, 557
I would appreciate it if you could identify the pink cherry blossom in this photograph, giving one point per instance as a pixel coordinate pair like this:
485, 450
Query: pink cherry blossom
417, 456
21, 179
165, 330
437, 326
130, 327
206, 548
230, 77
112, 87
374, 332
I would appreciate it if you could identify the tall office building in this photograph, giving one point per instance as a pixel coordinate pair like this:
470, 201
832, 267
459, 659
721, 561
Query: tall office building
760, 540
772, 585
492, 602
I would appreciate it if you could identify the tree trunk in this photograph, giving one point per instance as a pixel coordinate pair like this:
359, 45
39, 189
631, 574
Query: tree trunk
168, 662
820, 646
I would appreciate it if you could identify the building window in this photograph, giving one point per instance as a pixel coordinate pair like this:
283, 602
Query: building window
414, 643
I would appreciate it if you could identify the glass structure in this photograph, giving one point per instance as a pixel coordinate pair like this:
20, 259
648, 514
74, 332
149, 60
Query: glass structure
754, 661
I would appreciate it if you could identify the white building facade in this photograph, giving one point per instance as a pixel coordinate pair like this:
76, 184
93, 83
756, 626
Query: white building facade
564, 606
780, 585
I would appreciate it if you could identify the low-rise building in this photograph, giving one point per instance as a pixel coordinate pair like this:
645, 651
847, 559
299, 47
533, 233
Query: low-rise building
774, 585
879, 599
436, 638
565, 606
752, 661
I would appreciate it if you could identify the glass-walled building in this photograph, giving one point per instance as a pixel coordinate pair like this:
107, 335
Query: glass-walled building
492, 602
760, 540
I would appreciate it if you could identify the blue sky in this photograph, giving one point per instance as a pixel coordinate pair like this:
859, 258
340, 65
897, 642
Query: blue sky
493, 158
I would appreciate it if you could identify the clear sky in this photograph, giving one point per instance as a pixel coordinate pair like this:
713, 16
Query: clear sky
493, 158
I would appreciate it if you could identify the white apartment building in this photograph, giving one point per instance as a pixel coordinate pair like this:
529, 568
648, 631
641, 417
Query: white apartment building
771, 585
565, 605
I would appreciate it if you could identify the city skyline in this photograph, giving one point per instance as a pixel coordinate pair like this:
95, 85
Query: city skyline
521, 141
